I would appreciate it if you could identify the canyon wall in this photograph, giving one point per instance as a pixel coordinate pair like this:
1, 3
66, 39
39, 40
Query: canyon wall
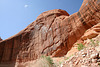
53, 33
0, 39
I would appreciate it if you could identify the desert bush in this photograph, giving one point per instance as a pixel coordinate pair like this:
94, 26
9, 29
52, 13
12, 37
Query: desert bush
94, 43
47, 61
80, 46
44, 61
69, 57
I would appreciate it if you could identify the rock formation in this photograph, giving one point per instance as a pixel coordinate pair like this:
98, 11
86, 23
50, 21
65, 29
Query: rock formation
88, 57
92, 32
53, 33
0, 39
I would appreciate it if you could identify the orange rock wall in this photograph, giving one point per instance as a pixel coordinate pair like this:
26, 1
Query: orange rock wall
53, 33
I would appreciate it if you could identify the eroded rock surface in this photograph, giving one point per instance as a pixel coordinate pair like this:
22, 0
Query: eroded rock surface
92, 32
0, 39
53, 33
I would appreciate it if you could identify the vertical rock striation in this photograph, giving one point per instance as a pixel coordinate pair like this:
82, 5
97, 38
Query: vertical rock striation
53, 33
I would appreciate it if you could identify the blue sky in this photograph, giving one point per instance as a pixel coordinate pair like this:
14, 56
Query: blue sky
15, 15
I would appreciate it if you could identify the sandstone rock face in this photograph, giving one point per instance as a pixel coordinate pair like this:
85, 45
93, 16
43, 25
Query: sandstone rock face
53, 33
92, 32
0, 39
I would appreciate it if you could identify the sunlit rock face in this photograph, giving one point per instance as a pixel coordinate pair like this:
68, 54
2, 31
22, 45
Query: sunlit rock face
53, 33
0, 39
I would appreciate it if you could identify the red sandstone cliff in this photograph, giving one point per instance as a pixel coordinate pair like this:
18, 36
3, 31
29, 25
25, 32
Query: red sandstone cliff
53, 33
0, 39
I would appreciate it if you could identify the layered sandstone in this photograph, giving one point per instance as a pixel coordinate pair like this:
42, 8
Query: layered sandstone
92, 32
0, 39
53, 33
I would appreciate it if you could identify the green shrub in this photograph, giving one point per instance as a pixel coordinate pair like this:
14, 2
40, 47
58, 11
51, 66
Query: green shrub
94, 43
80, 46
60, 62
47, 61
69, 57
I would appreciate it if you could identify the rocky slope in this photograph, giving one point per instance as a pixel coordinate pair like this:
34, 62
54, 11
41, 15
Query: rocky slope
88, 57
52, 34
93, 32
